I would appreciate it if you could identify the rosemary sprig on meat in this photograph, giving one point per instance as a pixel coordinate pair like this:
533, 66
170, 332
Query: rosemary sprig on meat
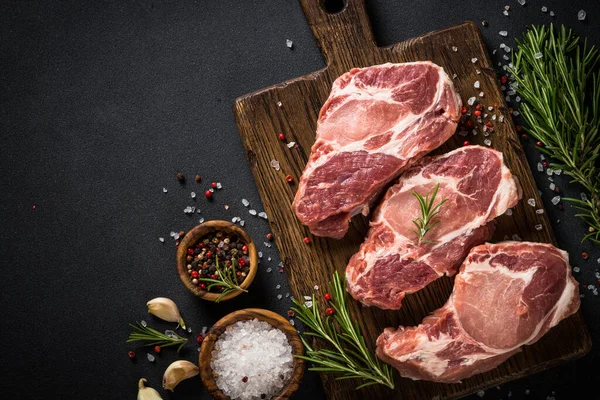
227, 280
347, 354
557, 77
428, 212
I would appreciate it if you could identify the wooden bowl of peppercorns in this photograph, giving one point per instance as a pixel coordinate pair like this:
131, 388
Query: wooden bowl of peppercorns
211, 251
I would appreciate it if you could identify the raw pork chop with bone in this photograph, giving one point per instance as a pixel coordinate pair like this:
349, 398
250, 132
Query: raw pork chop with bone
506, 295
376, 122
477, 187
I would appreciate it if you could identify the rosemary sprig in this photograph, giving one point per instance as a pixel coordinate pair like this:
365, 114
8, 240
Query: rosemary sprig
227, 279
557, 77
428, 212
147, 334
350, 355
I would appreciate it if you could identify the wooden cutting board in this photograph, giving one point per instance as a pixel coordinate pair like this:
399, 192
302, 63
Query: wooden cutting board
292, 107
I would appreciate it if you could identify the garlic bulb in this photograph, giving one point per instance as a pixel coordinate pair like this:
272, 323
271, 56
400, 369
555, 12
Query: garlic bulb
177, 372
145, 392
165, 309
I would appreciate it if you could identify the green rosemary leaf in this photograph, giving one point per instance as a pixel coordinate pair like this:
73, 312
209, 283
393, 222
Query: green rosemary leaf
557, 76
428, 212
227, 279
348, 354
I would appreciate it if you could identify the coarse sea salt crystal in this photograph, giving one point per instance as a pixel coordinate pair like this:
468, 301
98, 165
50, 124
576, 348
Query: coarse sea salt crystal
583, 196
279, 104
531, 202
552, 13
291, 144
245, 202
576, 269
219, 186
555, 200
508, 211
540, 167
256, 351
252, 212
289, 43
275, 164
503, 33
476, 85
278, 287
161, 239
552, 186
150, 357
454, 48
193, 195
516, 237
505, 12
538, 227
269, 270
557, 171
201, 220
581, 15
165, 190
267, 244
544, 9
538, 55
279, 296
539, 211
487, 142
262, 214
474, 60
481, 94
143, 323
522, 2
471, 100
481, 393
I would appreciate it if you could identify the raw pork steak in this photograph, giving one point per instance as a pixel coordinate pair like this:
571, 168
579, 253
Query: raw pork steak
376, 122
391, 262
506, 295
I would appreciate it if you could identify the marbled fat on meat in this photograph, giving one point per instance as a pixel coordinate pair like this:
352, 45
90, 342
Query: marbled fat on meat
376, 122
506, 295
391, 262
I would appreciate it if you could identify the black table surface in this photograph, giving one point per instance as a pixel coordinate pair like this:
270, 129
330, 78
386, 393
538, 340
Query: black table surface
102, 103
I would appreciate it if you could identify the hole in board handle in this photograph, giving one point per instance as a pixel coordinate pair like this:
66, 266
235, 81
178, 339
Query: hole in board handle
333, 6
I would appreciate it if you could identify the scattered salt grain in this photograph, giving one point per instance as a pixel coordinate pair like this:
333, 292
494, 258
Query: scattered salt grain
509, 212
201, 220
527, 391
161, 239
269, 270
576, 269
269, 259
262, 214
292, 322
454, 48
474, 60
279, 297
557, 171
516, 237
150, 357
291, 144
193, 195
522, 2
538, 55
260, 254
275, 164
516, 113
171, 334
501, 118
481, 94
267, 244
581, 15
279, 104
219, 186
278, 287
471, 100
555, 200
583, 196
505, 12
476, 85
503, 33
245, 202
251, 359
531, 202
481, 393
316, 287
507, 49
539, 227
544, 9
552, 186
539, 211
165, 190
289, 43
143, 323
540, 167
487, 142
252, 212
552, 13
506, 58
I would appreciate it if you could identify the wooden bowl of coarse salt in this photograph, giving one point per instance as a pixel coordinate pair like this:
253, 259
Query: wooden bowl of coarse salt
188, 263
250, 354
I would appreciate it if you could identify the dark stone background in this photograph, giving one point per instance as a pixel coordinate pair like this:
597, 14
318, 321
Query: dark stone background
102, 103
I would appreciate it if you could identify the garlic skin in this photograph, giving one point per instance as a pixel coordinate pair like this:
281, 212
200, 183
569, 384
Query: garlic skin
177, 372
165, 309
145, 392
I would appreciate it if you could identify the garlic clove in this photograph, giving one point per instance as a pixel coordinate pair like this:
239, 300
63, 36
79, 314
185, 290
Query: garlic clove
177, 372
165, 309
145, 392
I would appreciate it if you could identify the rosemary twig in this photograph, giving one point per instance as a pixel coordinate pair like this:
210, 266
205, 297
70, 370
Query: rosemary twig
350, 356
428, 212
147, 334
227, 279
558, 78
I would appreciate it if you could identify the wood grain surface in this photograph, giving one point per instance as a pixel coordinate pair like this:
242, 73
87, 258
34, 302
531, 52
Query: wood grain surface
276, 320
346, 41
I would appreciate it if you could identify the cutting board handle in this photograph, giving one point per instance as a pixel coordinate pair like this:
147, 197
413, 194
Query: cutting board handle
340, 34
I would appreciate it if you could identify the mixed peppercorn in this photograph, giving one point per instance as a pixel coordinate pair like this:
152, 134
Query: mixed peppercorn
228, 249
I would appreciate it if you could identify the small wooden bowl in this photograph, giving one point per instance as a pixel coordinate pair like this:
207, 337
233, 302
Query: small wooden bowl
192, 238
277, 321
